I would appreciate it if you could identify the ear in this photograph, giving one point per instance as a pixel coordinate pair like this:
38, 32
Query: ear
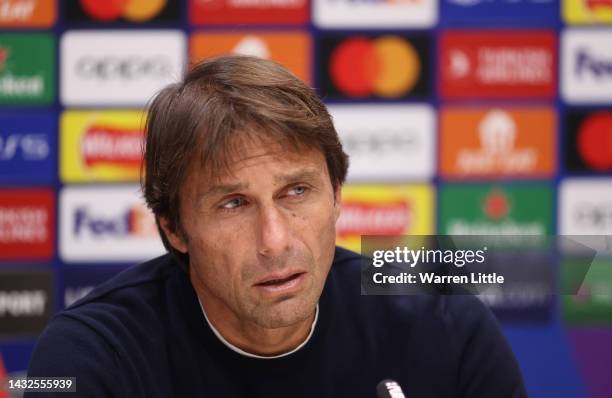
175, 238
337, 201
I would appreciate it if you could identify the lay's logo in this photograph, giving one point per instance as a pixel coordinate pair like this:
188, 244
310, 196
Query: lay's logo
598, 4
587, 11
101, 145
373, 219
384, 210
104, 145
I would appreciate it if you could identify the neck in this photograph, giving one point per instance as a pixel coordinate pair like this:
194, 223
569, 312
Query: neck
250, 337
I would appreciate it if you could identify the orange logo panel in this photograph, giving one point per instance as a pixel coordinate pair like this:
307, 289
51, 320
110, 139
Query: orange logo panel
27, 13
497, 142
289, 49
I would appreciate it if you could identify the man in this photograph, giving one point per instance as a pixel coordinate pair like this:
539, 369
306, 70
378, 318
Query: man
244, 172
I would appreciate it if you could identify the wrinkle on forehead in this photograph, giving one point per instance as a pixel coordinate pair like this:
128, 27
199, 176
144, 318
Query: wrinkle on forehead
240, 151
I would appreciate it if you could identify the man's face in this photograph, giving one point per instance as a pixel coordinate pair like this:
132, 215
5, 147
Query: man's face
260, 238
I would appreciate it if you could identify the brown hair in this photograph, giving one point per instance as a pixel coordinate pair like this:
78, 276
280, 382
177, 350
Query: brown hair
220, 103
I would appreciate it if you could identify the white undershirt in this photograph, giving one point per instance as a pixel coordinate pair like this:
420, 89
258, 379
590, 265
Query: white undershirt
248, 354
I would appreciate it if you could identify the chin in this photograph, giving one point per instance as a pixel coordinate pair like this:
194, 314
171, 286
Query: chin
285, 312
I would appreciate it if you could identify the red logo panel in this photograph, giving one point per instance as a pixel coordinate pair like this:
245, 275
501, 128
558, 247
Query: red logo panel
256, 12
27, 224
498, 64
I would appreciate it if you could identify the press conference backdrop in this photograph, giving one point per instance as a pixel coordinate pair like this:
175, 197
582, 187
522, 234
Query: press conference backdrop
460, 117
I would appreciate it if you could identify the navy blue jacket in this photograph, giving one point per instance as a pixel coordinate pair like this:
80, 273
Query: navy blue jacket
143, 334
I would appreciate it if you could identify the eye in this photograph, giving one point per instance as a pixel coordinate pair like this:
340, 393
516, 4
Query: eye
233, 203
297, 191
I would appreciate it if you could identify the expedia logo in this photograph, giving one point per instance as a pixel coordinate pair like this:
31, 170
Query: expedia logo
129, 68
135, 221
30, 146
360, 218
102, 145
588, 63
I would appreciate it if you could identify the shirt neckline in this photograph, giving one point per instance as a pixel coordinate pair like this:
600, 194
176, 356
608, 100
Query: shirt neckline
251, 355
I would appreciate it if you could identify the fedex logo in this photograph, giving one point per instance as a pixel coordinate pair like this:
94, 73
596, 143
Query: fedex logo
588, 63
106, 224
131, 222
586, 66
31, 146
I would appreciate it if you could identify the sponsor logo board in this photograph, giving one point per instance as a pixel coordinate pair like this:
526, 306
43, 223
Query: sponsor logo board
106, 224
26, 301
118, 67
496, 209
27, 68
390, 142
386, 14
27, 224
498, 64
125, 11
101, 145
252, 12
384, 210
27, 13
592, 303
291, 49
585, 206
588, 145
587, 11
27, 147
386, 66
586, 66
497, 142
499, 12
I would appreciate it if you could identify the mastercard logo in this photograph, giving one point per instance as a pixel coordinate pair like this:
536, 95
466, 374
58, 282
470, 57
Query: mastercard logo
388, 66
595, 141
132, 10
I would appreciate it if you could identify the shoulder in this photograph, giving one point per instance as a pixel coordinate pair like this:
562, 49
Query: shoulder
346, 274
104, 324
459, 328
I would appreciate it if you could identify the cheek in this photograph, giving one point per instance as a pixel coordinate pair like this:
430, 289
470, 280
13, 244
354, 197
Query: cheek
321, 229
219, 253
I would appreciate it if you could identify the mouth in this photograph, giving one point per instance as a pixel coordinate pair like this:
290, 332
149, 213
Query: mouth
281, 283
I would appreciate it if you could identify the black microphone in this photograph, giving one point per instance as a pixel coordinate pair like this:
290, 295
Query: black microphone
389, 389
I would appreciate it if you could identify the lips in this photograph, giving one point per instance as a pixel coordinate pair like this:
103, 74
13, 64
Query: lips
278, 279
281, 283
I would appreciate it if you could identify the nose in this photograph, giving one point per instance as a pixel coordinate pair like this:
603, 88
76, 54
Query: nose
273, 232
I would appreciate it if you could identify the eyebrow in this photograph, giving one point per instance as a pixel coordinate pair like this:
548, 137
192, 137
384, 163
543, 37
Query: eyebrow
224, 189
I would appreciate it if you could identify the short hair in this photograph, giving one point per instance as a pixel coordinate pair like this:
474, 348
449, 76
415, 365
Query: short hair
219, 104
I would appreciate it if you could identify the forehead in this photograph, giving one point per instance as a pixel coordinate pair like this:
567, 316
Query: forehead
276, 159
